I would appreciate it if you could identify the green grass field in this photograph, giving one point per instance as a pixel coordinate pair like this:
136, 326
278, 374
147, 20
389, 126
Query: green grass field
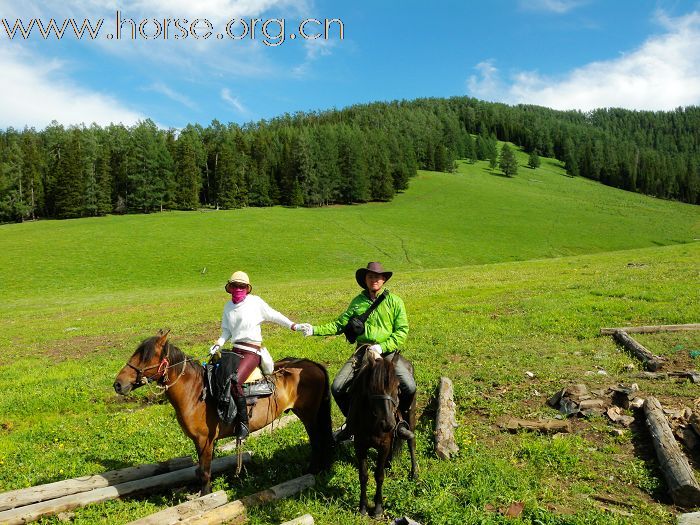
500, 277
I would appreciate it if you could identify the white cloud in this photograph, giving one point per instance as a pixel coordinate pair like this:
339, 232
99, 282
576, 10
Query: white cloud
35, 92
159, 87
233, 101
315, 48
555, 6
662, 74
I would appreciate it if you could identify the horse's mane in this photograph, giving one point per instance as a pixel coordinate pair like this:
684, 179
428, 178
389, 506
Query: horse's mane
374, 375
147, 349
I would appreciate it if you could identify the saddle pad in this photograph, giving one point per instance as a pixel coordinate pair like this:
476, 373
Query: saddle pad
255, 375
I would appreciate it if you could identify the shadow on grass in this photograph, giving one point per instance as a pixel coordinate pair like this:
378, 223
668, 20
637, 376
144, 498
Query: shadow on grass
644, 449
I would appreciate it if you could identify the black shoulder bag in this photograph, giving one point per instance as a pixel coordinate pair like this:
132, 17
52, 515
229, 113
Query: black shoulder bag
356, 323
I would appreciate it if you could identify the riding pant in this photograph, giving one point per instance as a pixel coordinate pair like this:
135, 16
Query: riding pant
249, 360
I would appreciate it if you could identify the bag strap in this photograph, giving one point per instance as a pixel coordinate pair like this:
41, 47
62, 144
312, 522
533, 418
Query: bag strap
373, 306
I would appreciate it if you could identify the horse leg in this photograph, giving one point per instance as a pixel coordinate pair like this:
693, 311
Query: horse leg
412, 442
414, 466
361, 453
205, 451
379, 479
315, 461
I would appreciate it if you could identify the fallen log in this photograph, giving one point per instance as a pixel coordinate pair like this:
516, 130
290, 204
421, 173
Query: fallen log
550, 425
234, 512
683, 487
268, 429
20, 497
306, 519
651, 362
176, 514
652, 329
445, 421
691, 518
66, 503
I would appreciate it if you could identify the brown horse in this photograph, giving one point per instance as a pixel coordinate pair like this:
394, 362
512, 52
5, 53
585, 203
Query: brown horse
373, 418
301, 386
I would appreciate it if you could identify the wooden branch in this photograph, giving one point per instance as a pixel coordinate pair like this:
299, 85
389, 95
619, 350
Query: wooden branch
306, 519
445, 422
681, 482
18, 498
651, 362
176, 514
652, 329
268, 429
234, 512
35, 511
550, 425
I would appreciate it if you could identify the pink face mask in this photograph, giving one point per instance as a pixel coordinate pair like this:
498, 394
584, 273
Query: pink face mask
238, 294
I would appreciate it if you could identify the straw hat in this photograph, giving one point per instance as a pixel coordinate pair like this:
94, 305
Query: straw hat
239, 278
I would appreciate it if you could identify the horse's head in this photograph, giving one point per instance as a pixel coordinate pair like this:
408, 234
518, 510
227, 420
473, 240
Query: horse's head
381, 388
148, 363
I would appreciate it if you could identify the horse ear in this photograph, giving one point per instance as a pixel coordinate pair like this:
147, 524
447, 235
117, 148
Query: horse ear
162, 337
395, 358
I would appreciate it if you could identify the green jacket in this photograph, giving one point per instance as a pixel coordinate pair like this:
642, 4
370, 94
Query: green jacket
387, 325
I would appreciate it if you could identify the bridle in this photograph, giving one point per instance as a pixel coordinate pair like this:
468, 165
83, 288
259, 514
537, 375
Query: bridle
386, 397
161, 376
393, 409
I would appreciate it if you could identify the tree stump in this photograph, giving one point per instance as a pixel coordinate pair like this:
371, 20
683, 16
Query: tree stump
446, 422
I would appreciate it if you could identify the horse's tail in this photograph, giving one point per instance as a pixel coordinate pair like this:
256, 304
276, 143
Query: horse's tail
324, 421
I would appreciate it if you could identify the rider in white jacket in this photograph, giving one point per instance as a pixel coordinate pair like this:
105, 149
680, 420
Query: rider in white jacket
240, 322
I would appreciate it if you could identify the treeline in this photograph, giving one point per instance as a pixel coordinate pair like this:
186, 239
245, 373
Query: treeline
361, 153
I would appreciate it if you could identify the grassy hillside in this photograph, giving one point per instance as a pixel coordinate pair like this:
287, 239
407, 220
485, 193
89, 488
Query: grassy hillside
471, 217
78, 296
483, 326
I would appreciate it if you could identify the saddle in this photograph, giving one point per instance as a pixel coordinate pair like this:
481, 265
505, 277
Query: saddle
219, 377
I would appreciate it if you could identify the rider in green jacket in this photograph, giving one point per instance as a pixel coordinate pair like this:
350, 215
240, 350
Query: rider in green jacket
386, 330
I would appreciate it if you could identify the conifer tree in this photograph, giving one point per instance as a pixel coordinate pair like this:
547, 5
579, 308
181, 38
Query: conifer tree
533, 160
507, 161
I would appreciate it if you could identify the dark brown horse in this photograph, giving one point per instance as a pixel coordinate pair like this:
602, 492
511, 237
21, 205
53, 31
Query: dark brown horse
301, 386
373, 418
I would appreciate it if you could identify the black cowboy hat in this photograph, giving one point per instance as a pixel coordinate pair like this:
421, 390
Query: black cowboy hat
375, 267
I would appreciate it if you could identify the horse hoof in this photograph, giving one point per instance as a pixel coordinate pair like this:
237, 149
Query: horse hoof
363, 511
377, 512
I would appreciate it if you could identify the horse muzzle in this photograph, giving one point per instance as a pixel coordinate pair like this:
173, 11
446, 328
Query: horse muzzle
122, 388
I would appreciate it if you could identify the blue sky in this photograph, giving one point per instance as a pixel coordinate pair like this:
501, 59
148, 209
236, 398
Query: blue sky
565, 54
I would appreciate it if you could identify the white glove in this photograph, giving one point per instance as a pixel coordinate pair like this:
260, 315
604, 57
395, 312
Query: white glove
304, 328
376, 350
214, 349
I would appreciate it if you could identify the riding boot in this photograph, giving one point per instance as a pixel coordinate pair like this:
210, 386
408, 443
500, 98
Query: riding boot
242, 418
403, 429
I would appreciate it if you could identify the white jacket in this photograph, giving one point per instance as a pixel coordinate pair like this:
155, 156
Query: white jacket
241, 322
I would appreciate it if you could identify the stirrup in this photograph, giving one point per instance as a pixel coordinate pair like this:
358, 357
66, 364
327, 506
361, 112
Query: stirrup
403, 431
344, 434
